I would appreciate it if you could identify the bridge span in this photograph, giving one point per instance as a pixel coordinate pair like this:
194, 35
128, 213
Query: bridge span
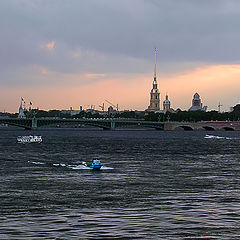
111, 124
197, 126
106, 124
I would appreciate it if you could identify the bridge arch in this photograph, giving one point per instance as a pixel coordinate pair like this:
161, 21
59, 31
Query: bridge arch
228, 128
208, 128
184, 127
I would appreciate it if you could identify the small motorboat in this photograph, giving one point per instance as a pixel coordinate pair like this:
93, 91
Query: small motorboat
96, 164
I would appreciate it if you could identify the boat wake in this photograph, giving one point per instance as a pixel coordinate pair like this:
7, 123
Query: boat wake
84, 167
59, 164
216, 137
37, 163
105, 167
79, 166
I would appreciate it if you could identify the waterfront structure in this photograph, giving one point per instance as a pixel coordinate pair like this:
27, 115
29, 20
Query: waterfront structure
197, 104
154, 94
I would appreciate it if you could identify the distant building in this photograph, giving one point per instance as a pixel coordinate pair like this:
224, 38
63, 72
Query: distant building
71, 111
154, 94
197, 104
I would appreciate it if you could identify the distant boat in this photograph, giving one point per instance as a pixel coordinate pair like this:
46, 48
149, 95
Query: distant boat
96, 164
29, 139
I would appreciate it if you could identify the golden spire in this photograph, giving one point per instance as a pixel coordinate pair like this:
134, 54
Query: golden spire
155, 75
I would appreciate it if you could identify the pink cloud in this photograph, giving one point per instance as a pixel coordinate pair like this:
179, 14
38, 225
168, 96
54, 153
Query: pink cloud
94, 75
50, 45
76, 54
43, 71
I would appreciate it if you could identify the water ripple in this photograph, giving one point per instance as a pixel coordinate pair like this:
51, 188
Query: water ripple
154, 185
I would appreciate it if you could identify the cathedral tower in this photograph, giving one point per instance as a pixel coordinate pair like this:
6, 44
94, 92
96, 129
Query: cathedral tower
154, 94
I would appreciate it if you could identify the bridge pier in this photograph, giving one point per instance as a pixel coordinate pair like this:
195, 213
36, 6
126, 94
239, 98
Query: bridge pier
168, 126
34, 123
113, 124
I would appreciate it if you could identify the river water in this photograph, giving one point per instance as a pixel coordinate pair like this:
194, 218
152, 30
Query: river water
154, 185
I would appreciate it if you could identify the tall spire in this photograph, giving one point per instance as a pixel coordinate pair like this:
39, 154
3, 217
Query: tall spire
154, 94
155, 58
155, 74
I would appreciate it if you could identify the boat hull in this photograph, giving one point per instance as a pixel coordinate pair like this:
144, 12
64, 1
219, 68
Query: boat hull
96, 164
96, 167
29, 139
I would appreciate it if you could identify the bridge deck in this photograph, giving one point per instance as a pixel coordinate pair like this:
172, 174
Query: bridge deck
33, 123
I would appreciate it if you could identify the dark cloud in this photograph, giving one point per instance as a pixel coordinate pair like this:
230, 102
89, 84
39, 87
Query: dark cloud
117, 36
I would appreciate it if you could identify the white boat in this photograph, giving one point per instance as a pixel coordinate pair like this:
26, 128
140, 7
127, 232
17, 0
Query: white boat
29, 139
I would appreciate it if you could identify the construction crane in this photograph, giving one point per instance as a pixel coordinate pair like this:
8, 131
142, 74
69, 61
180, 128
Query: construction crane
112, 104
219, 107
102, 107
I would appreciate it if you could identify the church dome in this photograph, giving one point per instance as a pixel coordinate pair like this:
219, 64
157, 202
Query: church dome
196, 96
166, 101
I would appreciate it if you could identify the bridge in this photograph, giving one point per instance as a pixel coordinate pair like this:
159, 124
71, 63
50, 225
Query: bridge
111, 124
106, 124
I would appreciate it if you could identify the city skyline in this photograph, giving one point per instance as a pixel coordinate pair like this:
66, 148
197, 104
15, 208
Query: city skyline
72, 53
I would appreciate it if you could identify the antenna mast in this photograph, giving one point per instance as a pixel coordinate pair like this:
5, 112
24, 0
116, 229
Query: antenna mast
219, 107
155, 59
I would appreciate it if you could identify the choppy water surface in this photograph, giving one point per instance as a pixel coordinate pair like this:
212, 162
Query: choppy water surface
154, 185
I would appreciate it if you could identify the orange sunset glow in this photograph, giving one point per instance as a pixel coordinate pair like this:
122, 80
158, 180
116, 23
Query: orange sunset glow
132, 92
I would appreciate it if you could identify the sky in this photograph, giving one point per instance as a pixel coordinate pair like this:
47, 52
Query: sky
69, 53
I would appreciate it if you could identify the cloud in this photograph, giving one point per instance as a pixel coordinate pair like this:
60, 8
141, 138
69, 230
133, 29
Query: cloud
183, 31
109, 40
76, 54
50, 46
43, 70
94, 75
